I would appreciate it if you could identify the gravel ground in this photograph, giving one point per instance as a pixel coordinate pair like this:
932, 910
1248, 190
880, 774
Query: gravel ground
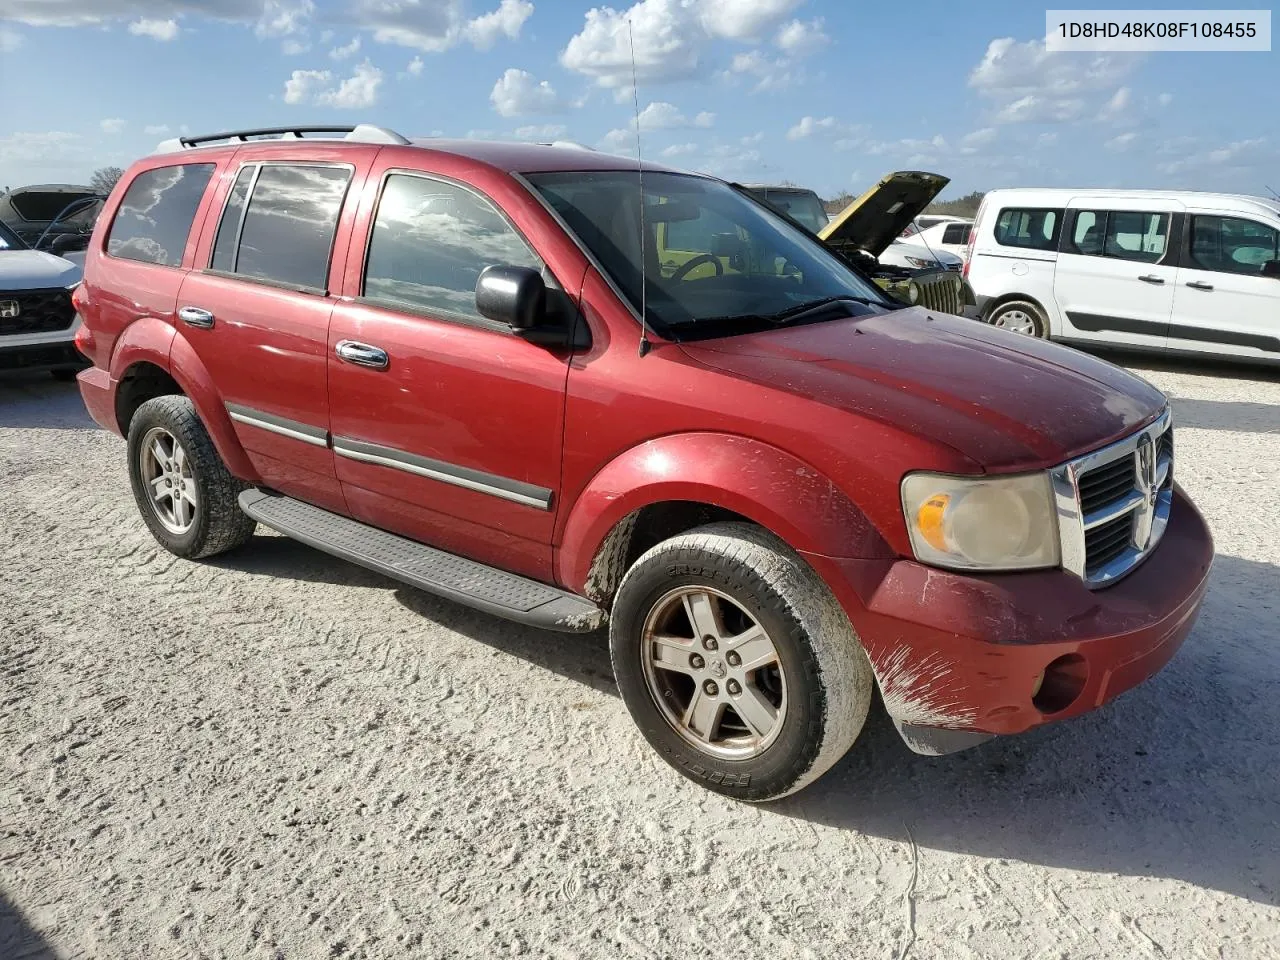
277, 754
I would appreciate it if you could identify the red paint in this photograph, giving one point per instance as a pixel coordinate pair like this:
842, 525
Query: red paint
807, 431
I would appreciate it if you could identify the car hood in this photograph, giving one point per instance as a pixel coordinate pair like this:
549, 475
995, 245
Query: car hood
1004, 400
35, 270
879, 216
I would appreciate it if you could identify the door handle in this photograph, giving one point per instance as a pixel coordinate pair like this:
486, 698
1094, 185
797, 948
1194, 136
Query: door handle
362, 354
1151, 278
1200, 285
196, 317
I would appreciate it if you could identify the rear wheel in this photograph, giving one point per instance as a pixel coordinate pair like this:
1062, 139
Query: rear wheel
185, 493
736, 662
1020, 316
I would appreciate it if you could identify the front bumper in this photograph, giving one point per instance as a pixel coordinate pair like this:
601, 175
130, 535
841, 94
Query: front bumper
961, 658
57, 355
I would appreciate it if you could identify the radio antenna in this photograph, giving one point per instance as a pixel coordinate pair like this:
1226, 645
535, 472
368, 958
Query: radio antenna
644, 234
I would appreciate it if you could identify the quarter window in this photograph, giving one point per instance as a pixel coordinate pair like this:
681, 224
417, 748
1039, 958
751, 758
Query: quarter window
156, 214
286, 229
430, 242
956, 233
1029, 229
1232, 244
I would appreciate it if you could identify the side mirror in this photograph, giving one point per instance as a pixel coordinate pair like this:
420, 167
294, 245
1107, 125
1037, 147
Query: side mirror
1271, 269
515, 296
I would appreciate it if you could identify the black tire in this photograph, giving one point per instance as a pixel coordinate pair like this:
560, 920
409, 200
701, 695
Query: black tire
64, 374
1013, 308
828, 677
218, 524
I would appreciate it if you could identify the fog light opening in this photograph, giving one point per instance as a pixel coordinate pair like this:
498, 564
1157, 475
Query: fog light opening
1060, 684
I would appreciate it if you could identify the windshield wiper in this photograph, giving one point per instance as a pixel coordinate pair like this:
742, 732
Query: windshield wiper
804, 309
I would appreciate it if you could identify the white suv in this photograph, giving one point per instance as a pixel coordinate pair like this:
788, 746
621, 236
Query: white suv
37, 321
1174, 272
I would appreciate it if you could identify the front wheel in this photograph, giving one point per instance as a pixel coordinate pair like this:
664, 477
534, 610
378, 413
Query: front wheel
736, 662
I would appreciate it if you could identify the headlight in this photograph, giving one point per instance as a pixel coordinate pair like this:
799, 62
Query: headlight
917, 262
986, 523
913, 293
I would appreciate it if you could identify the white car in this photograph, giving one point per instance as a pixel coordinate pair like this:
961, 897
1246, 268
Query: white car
951, 236
37, 321
1163, 271
916, 256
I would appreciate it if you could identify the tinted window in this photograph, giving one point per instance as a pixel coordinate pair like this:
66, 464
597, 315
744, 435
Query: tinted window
1031, 229
155, 216
1131, 235
802, 206
1232, 244
289, 224
224, 248
956, 233
430, 242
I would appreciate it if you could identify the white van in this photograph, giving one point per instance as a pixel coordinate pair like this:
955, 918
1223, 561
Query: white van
1163, 271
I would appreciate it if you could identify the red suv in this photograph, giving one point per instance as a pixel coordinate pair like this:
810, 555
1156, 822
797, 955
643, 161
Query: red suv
529, 379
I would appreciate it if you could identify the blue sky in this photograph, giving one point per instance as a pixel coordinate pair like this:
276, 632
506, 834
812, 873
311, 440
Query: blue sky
825, 93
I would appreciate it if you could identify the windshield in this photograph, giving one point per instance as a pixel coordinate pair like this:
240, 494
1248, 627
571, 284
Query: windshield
9, 240
716, 262
802, 206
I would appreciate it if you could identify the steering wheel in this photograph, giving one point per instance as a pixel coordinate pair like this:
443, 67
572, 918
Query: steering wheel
691, 265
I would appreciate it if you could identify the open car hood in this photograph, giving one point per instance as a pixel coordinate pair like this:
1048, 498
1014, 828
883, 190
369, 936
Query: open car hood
879, 216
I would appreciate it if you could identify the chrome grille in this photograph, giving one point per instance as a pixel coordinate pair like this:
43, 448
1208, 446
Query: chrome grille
1113, 504
938, 292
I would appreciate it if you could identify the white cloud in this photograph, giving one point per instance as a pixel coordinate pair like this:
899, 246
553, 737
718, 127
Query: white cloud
669, 36
416, 66
519, 92
1165, 99
162, 30
293, 48
112, 125
9, 40
771, 73
546, 131
801, 39
1115, 108
357, 92
280, 18
680, 149
661, 115
156, 130
437, 25
349, 50
1237, 162
973, 142
1029, 84
1121, 143
809, 126
40, 149
484, 31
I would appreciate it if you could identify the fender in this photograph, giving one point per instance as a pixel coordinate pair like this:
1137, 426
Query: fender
151, 340
766, 485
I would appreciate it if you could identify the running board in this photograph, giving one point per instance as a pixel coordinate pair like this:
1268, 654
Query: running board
444, 574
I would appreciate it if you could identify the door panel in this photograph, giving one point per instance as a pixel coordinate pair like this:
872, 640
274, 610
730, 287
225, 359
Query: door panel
1115, 277
267, 352
1222, 303
457, 441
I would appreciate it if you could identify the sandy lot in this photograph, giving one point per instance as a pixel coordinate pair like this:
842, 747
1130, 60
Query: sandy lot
280, 755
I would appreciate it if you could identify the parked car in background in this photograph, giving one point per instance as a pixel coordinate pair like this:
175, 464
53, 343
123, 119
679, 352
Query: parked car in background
511, 375
928, 220
37, 321
950, 237
41, 214
1176, 272
866, 232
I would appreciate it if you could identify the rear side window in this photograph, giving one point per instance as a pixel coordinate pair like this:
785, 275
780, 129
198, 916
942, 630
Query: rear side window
285, 229
1232, 244
956, 233
431, 240
1028, 228
156, 214
1122, 234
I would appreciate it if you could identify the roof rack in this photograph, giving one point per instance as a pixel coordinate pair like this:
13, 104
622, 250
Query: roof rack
360, 133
